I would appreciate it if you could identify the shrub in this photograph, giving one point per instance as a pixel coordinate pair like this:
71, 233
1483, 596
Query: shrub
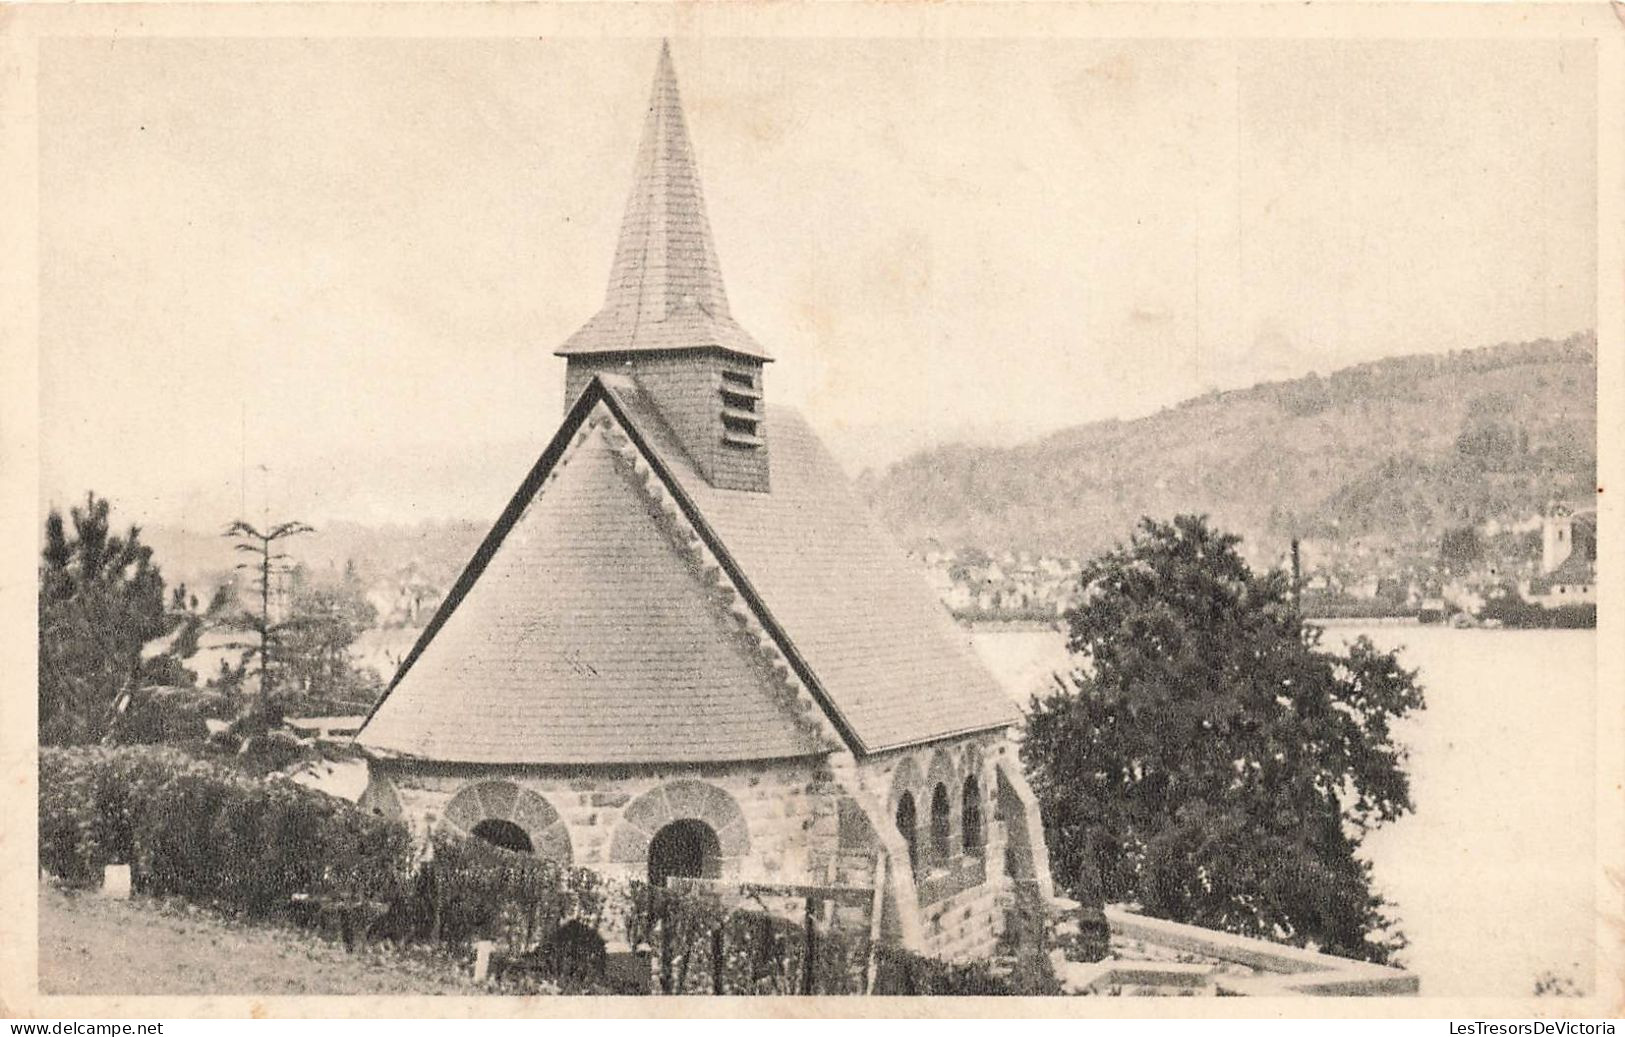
474, 890
159, 714
902, 972
701, 946
271, 751
196, 829
93, 802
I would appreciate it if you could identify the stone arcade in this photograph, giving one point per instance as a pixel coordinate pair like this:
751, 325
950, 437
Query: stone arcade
685, 648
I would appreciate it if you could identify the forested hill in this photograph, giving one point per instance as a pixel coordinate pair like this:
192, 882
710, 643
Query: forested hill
1392, 452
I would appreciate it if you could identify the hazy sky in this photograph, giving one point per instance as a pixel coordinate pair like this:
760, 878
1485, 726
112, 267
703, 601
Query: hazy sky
350, 260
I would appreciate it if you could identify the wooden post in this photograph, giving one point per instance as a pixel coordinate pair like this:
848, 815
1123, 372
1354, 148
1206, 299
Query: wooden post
716, 959
482, 959
875, 911
434, 900
809, 948
1297, 576
665, 952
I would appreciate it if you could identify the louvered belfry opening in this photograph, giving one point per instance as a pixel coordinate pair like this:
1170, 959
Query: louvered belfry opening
665, 321
741, 410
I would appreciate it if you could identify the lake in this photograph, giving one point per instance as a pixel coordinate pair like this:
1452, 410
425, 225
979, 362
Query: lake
1493, 877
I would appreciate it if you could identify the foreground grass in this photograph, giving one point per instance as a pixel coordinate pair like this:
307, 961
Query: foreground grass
90, 945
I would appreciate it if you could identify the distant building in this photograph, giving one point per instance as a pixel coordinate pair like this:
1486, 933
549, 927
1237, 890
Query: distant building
1568, 559
1564, 534
685, 648
1572, 583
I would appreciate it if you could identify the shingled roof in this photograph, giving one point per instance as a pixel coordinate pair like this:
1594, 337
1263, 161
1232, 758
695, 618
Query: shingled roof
626, 609
665, 287
579, 634
588, 638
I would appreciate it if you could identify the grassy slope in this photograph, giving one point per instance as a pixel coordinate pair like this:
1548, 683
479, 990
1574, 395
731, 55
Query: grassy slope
88, 945
1372, 451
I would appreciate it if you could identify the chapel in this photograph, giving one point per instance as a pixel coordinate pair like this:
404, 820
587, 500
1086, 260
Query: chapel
686, 649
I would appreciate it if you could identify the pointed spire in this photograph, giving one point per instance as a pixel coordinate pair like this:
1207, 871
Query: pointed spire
665, 287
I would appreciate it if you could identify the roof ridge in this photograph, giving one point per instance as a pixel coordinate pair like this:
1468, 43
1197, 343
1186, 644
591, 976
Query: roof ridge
806, 702
696, 518
690, 543
784, 630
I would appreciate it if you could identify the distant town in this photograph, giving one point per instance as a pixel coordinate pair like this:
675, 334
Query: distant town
1539, 571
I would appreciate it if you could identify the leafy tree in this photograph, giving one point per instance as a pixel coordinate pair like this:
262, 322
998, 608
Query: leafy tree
322, 626
1460, 550
101, 600
1211, 760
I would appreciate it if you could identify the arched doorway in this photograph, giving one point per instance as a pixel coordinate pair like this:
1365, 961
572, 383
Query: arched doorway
684, 849
1018, 847
906, 825
970, 815
504, 834
941, 825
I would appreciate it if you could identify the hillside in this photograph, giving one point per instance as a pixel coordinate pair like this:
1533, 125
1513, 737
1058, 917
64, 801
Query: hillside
1388, 453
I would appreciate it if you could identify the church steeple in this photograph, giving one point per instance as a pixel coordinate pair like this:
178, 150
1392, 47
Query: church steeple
665, 287
665, 319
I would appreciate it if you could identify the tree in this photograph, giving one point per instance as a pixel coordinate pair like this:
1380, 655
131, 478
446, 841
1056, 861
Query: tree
1210, 759
1460, 550
267, 561
322, 626
101, 600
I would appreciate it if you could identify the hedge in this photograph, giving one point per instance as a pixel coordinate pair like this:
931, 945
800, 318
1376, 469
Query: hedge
200, 830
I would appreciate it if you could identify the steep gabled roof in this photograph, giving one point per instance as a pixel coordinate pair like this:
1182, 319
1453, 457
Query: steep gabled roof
495, 680
665, 287
586, 631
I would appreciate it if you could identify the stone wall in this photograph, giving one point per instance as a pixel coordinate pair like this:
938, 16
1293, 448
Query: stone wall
963, 894
776, 822
687, 386
967, 925
814, 821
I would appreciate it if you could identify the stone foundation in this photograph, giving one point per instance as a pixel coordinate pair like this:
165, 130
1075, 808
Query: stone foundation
775, 822
812, 821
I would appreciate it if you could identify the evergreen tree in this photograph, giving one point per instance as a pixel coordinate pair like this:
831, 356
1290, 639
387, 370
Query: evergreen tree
1210, 759
267, 564
101, 599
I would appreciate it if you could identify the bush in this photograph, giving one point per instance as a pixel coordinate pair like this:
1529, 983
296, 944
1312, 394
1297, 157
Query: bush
202, 831
210, 833
699, 945
271, 751
92, 802
161, 714
478, 891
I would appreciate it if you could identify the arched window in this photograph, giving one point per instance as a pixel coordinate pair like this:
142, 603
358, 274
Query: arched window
684, 849
941, 844
505, 834
906, 825
970, 815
